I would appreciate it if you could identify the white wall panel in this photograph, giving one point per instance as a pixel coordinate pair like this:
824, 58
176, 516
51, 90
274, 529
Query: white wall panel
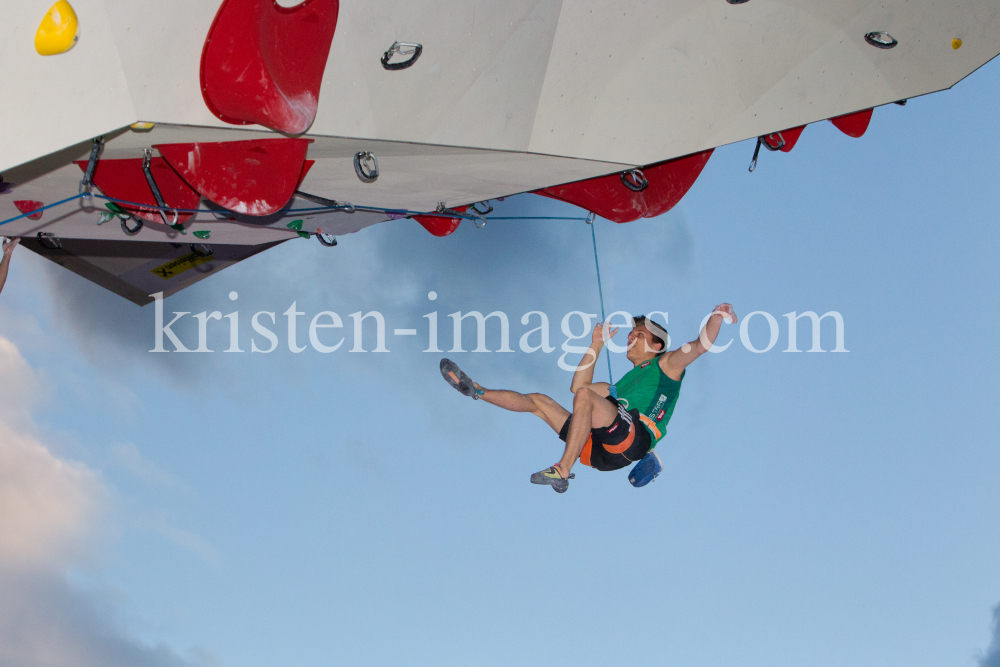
50, 102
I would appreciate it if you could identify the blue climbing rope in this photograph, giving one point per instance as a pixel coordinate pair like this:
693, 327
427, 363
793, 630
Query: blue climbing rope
531, 217
39, 210
292, 212
600, 290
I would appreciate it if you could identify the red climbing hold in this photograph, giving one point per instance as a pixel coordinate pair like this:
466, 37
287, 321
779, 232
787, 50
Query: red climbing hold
263, 63
605, 196
254, 177
789, 137
125, 180
439, 226
27, 206
853, 124
608, 197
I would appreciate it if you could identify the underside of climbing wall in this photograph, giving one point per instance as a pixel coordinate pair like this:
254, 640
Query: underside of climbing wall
244, 123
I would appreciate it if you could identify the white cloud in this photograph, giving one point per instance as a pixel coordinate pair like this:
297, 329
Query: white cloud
21, 387
49, 511
47, 506
125, 455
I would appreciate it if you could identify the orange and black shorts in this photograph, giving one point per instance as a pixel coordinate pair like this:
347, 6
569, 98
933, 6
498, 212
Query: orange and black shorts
626, 440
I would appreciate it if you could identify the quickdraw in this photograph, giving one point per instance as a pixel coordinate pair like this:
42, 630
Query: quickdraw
147, 156
344, 206
48, 241
403, 49
772, 142
88, 175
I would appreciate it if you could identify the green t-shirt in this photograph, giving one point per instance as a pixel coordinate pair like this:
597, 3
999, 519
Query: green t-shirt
647, 388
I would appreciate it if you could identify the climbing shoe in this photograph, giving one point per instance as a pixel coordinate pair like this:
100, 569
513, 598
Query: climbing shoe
454, 376
552, 477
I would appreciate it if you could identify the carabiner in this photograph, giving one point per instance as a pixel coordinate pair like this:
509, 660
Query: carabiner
202, 249
881, 39
131, 231
403, 49
344, 206
366, 166
46, 238
777, 145
634, 180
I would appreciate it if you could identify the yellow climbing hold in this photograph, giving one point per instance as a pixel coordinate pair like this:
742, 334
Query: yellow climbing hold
142, 126
956, 43
57, 33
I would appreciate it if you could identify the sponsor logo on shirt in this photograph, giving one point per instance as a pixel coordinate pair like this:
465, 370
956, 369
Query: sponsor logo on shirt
660, 414
645, 363
613, 427
658, 407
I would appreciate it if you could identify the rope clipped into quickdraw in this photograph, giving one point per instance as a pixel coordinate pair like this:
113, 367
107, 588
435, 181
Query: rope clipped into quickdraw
600, 291
43, 208
116, 209
341, 207
765, 141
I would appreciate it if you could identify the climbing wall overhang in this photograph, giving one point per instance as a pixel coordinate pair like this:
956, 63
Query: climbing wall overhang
624, 82
504, 97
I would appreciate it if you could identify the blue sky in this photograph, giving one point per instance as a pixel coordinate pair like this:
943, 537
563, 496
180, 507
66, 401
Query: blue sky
348, 508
